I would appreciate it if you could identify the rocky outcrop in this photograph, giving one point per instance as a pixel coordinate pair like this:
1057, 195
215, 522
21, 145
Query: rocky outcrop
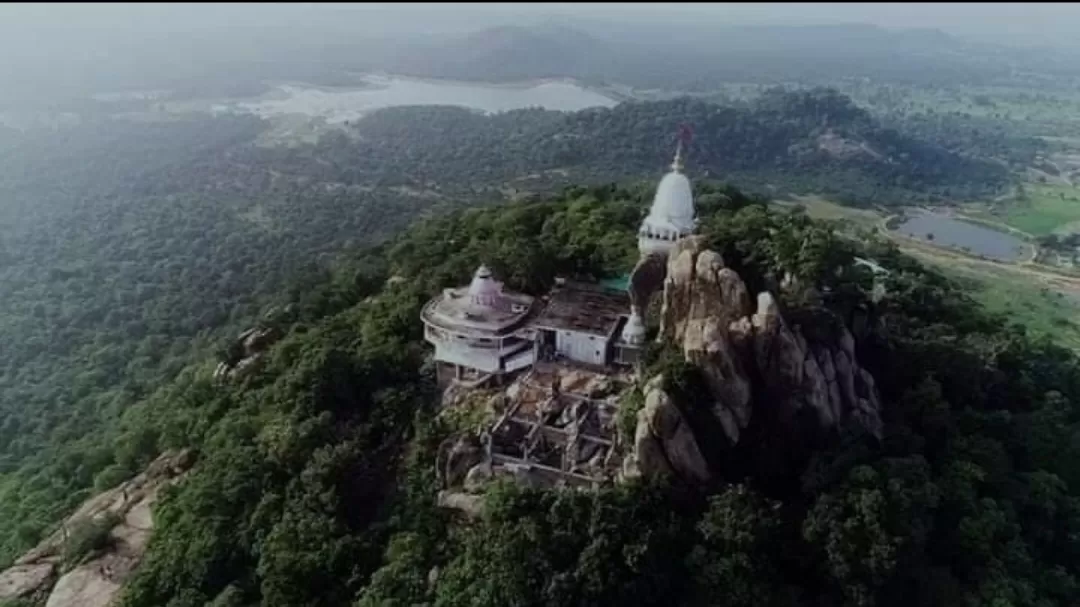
39, 575
755, 366
824, 376
457, 456
646, 279
29, 581
664, 443
245, 353
468, 504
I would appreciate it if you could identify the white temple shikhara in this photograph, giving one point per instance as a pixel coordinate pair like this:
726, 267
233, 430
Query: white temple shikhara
484, 331
670, 218
672, 214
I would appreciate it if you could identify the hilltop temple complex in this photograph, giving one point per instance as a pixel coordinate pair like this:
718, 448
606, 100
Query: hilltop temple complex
483, 332
559, 361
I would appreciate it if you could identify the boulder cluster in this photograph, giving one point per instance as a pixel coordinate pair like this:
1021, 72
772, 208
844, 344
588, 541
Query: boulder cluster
754, 364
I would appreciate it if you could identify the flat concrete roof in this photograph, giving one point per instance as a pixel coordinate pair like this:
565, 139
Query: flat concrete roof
584, 308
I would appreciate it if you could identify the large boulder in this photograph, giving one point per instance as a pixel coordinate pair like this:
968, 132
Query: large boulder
89, 585
823, 375
647, 278
707, 345
664, 443
679, 288
456, 456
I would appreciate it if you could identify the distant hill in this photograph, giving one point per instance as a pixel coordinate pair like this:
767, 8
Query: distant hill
809, 141
506, 53
701, 57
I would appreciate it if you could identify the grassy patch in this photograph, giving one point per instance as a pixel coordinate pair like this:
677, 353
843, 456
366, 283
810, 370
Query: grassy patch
820, 208
1042, 308
86, 538
1045, 208
1042, 209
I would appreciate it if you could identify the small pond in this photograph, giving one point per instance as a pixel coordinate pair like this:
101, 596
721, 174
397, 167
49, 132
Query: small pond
948, 232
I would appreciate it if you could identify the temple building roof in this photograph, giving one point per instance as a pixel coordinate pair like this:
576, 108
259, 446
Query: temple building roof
482, 308
584, 308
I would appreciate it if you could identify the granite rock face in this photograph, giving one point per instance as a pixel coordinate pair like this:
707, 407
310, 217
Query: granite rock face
664, 443
756, 367
39, 574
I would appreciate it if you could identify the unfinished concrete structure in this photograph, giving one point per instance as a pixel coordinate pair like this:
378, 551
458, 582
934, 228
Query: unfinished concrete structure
559, 429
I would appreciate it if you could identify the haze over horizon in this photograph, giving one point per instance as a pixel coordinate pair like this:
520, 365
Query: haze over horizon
1008, 23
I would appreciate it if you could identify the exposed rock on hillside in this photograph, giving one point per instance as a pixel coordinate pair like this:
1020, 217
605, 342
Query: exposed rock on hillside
754, 365
245, 352
664, 444
94, 582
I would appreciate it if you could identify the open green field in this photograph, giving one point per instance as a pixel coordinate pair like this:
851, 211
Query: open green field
1044, 208
820, 208
1044, 304
1044, 309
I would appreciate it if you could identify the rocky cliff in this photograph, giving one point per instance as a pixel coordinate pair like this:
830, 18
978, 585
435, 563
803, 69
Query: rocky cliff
758, 375
50, 575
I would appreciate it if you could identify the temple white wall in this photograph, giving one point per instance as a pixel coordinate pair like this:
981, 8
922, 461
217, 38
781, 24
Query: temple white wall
482, 360
582, 347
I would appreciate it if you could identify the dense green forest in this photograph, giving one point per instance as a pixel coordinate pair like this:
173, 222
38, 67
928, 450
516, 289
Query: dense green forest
131, 252
315, 483
804, 141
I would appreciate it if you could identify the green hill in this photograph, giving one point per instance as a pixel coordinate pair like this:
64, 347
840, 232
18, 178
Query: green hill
315, 483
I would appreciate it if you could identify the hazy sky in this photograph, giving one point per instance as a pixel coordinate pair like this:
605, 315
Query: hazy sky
72, 26
1007, 22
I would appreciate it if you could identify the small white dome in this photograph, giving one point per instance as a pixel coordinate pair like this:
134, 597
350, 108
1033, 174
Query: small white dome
484, 290
634, 331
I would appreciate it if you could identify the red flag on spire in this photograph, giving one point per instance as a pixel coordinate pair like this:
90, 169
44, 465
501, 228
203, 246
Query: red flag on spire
685, 134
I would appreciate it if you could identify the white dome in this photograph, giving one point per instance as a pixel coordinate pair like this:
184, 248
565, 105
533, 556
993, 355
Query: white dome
634, 331
673, 204
484, 290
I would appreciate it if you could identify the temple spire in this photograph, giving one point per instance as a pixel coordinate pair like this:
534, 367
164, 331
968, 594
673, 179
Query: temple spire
684, 141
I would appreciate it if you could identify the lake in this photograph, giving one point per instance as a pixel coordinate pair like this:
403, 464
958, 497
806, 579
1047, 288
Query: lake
340, 104
953, 233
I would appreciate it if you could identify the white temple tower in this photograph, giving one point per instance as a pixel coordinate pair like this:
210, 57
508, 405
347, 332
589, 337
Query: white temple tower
672, 214
670, 218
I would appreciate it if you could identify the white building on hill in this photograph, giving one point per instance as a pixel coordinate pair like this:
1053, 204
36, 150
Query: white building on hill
479, 331
582, 323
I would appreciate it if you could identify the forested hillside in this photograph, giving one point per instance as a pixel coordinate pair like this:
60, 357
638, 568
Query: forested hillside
809, 141
315, 482
130, 250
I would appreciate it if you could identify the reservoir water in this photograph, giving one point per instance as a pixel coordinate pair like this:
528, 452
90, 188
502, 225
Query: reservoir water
341, 104
956, 234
